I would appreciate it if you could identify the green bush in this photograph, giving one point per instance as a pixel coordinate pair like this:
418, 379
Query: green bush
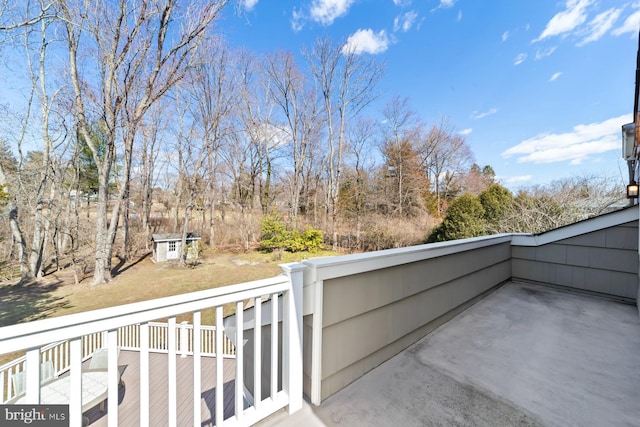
311, 239
464, 219
496, 201
276, 236
274, 233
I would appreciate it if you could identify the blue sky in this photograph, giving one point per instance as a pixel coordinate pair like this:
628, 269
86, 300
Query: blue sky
540, 89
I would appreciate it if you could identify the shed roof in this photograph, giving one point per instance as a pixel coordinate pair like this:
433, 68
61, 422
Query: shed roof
165, 237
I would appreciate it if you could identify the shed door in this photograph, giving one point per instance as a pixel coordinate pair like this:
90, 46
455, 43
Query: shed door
172, 250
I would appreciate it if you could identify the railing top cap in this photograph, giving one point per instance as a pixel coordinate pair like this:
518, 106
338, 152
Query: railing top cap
338, 266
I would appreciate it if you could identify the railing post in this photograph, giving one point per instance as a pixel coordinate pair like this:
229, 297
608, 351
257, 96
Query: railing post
172, 379
184, 339
197, 369
292, 375
74, 360
33, 376
144, 374
112, 375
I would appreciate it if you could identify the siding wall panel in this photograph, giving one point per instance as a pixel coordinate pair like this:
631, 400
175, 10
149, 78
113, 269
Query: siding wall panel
603, 261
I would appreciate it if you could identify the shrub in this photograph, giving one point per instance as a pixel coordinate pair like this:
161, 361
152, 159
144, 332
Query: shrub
311, 239
274, 233
276, 236
464, 219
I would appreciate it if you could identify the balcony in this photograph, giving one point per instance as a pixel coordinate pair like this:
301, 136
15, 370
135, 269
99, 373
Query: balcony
508, 329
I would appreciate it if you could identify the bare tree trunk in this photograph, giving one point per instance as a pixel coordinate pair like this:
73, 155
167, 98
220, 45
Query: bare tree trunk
212, 224
182, 254
126, 246
16, 232
40, 225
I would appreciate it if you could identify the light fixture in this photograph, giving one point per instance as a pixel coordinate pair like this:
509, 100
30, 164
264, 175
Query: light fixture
632, 190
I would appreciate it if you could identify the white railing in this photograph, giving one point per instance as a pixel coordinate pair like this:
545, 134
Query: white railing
103, 326
128, 339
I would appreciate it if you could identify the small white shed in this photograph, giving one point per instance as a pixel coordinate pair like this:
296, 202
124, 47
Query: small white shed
167, 246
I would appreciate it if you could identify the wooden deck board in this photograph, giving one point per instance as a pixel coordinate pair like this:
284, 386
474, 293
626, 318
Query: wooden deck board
129, 396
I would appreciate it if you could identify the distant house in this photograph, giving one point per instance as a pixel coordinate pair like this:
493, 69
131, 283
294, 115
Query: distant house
167, 246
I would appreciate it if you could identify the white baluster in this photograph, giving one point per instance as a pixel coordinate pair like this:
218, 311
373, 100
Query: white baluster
219, 368
184, 339
171, 372
197, 371
274, 346
144, 374
239, 404
257, 353
112, 345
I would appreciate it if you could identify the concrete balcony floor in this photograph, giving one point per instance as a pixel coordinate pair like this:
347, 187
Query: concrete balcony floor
525, 355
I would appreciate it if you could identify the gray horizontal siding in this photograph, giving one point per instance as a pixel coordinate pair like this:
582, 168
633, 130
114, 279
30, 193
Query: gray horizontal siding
603, 261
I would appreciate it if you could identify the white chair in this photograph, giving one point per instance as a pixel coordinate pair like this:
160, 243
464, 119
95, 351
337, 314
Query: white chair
100, 362
19, 381
46, 371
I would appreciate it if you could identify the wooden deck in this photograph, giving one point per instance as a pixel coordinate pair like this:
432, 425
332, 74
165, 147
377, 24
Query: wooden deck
129, 395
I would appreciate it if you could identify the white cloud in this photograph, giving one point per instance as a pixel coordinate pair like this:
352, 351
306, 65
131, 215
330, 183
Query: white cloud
366, 41
583, 142
515, 179
630, 25
599, 25
505, 36
555, 76
272, 135
444, 4
326, 11
520, 59
567, 20
477, 115
297, 20
466, 132
459, 15
543, 53
405, 21
248, 4
402, 3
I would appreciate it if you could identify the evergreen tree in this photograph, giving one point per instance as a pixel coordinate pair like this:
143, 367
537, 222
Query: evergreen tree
496, 201
465, 218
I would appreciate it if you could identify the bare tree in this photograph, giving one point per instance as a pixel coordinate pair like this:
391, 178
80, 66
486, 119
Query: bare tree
192, 151
361, 137
255, 116
444, 155
150, 141
32, 24
211, 93
18, 236
299, 108
123, 57
347, 82
400, 125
